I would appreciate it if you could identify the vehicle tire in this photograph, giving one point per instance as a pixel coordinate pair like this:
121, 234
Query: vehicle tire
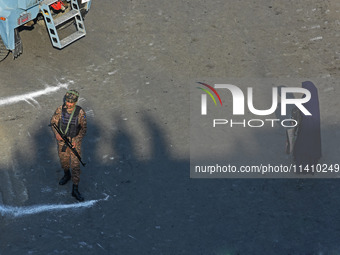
3, 51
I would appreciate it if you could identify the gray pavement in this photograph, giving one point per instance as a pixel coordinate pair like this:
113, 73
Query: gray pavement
133, 70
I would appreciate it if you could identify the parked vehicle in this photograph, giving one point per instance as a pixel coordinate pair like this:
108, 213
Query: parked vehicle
17, 13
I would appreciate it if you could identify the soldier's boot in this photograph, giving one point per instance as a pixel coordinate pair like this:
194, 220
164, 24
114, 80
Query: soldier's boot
76, 194
66, 178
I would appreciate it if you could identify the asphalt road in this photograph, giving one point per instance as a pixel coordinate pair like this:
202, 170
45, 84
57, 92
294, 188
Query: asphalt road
134, 70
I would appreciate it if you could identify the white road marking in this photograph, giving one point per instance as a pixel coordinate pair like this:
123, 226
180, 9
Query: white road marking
316, 38
17, 212
32, 95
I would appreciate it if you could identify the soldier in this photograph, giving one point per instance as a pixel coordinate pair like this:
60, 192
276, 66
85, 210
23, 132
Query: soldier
71, 120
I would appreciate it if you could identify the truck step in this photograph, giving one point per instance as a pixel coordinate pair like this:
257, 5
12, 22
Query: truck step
65, 17
48, 2
71, 38
52, 24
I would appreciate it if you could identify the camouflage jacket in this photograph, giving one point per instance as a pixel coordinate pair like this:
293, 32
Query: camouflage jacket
81, 121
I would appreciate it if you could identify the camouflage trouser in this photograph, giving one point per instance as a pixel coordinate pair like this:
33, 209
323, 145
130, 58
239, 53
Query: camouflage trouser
68, 159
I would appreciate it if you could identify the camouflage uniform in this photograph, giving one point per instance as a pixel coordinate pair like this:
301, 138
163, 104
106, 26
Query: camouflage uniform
67, 158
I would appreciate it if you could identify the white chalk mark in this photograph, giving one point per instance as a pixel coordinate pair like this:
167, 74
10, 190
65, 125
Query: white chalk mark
316, 38
132, 237
100, 246
81, 100
315, 26
36, 102
32, 95
90, 113
113, 72
12, 211
26, 100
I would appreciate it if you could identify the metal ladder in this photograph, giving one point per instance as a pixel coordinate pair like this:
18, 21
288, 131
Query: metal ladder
53, 24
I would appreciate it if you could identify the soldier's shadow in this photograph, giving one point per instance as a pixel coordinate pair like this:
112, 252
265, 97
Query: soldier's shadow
152, 199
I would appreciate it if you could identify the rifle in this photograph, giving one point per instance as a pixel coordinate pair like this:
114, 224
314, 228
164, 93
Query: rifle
68, 143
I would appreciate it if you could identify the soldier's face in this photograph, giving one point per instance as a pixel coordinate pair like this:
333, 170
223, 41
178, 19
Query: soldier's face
69, 105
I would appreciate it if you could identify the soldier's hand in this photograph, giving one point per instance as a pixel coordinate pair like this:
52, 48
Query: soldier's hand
74, 144
58, 137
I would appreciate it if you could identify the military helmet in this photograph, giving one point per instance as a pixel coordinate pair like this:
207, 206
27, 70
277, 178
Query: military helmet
71, 96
